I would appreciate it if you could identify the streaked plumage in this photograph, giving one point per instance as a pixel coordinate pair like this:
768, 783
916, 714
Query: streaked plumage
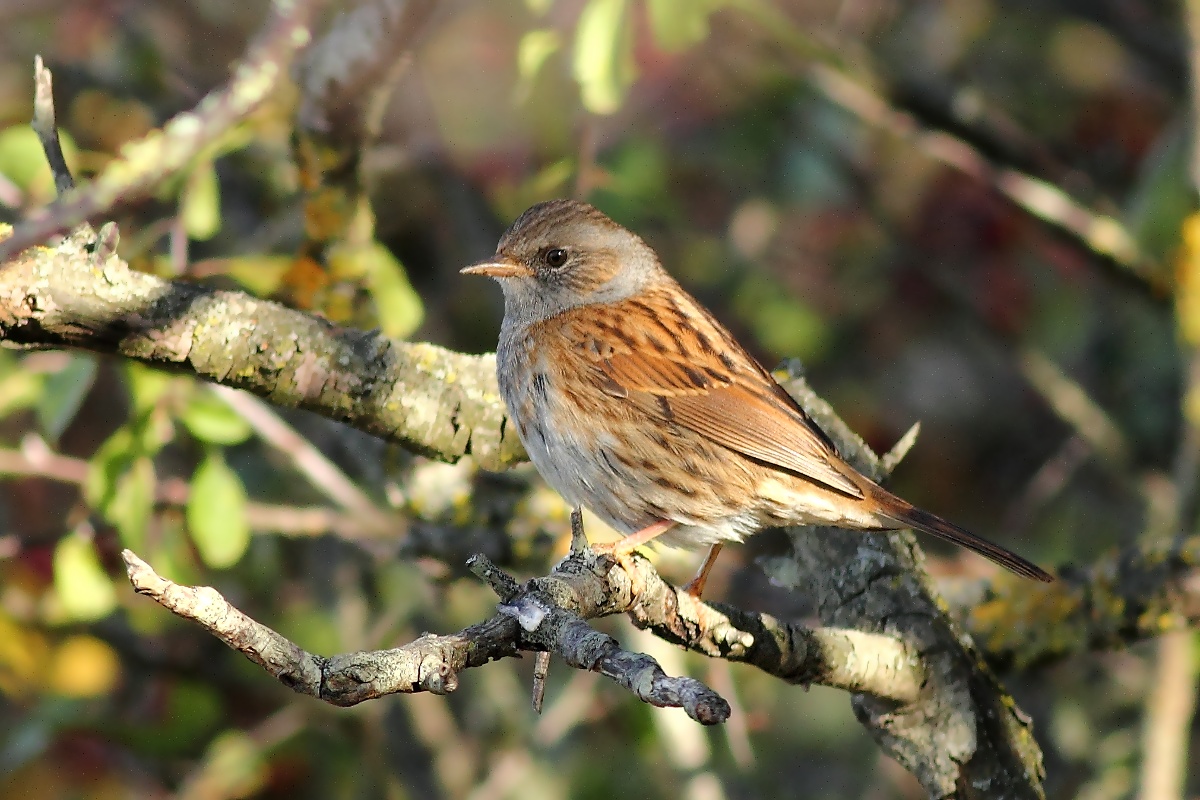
634, 402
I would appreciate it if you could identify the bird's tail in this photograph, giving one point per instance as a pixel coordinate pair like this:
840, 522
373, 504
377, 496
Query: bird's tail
908, 516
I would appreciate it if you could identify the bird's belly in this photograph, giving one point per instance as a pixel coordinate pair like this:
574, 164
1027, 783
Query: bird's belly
631, 481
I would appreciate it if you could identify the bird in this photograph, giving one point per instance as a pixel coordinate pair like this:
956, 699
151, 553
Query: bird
632, 400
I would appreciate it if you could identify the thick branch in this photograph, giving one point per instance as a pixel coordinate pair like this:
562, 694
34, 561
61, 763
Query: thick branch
430, 400
963, 736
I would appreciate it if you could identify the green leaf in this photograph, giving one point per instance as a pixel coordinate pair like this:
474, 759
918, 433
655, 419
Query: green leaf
679, 24
216, 513
1162, 196
399, 306
201, 202
784, 325
211, 420
146, 386
64, 394
23, 162
106, 466
604, 55
83, 588
132, 503
121, 481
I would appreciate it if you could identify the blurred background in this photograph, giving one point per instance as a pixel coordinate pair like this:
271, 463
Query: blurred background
967, 214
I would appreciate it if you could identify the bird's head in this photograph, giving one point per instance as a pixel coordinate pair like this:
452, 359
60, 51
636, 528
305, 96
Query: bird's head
562, 254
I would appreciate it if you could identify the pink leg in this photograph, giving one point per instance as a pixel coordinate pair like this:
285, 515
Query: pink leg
695, 587
634, 540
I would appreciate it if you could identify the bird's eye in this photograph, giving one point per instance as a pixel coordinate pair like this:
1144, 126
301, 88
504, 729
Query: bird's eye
555, 257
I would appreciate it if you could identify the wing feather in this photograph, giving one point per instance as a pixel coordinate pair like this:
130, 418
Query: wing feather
680, 362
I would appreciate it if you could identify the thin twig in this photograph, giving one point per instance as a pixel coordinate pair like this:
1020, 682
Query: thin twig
46, 129
541, 670
323, 474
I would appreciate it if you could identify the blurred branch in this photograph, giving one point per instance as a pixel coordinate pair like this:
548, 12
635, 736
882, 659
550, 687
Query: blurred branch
428, 399
1192, 21
1169, 709
146, 163
1102, 236
349, 73
1072, 404
1141, 593
323, 474
346, 81
36, 460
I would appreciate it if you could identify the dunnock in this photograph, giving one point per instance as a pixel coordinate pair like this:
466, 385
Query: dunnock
633, 401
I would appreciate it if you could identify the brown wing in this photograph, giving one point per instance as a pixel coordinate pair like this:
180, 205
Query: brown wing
665, 353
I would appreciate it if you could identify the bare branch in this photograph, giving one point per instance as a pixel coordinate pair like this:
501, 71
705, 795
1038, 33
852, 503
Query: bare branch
549, 614
47, 131
528, 621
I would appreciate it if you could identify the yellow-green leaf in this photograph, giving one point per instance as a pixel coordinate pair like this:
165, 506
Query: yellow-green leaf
211, 420
216, 513
234, 765
536, 46
84, 590
201, 202
398, 304
261, 275
604, 55
107, 465
146, 386
18, 390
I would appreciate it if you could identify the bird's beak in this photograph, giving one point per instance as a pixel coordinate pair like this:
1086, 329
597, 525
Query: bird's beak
499, 269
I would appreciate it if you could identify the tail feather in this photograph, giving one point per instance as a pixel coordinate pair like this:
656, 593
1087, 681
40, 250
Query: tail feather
908, 516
